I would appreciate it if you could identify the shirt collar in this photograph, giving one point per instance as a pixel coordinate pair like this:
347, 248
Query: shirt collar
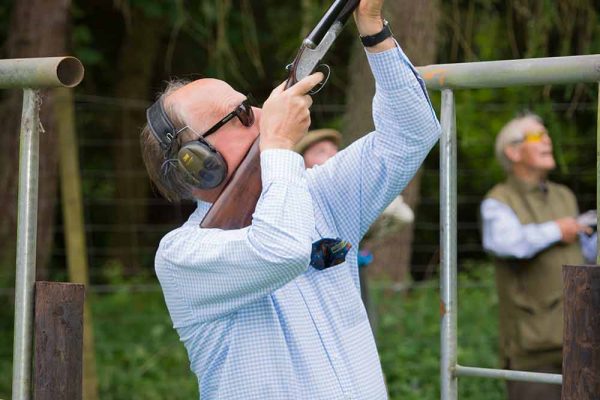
202, 208
526, 187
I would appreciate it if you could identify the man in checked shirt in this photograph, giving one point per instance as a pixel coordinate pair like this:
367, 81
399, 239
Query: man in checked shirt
257, 319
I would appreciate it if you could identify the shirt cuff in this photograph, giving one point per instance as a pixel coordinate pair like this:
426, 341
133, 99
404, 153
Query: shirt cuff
281, 165
551, 231
392, 69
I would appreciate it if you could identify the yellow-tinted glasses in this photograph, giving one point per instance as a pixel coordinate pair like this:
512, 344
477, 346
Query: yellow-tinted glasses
534, 136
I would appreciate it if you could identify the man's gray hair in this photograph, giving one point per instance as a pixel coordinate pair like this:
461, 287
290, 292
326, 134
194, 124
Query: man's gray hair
168, 178
512, 133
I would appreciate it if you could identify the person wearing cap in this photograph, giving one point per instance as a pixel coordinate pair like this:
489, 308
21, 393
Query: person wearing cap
273, 310
317, 147
530, 225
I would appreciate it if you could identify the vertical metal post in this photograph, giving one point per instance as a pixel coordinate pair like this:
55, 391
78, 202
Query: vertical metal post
448, 300
598, 171
26, 244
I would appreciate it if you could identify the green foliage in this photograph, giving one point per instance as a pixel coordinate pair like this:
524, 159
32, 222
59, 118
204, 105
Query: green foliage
139, 355
408, 337
6, 350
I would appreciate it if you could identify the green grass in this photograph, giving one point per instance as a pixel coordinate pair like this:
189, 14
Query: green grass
139, 355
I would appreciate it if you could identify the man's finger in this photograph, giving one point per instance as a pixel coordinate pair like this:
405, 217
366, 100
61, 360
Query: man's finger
309, 100
279, 89
305, 85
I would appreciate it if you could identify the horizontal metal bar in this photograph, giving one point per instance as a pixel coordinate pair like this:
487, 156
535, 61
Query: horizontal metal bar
523, 72
38, 73
524, 376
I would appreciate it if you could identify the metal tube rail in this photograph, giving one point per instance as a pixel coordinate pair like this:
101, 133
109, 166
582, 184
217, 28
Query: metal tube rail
31, 73
524, 376
448, 284
524, 72
598, 169
26, 244
37, 73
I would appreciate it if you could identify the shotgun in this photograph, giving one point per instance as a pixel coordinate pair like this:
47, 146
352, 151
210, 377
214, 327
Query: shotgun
235, 205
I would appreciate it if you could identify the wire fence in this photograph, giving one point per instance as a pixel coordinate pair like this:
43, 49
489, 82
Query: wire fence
126, 246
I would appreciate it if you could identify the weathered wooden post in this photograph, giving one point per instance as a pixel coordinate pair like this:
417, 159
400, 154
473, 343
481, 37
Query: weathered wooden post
581, 343
58, 341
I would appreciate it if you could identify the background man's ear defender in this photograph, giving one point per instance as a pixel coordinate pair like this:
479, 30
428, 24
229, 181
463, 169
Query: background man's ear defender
202, 164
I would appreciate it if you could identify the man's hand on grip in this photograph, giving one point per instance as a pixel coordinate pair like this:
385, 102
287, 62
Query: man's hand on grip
285, 115
569, 228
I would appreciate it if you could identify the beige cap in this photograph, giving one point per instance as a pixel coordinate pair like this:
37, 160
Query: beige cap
316, 136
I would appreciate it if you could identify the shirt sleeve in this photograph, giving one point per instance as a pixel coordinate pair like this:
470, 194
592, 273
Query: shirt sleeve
208, 273
589, 247
361, 180
505, 236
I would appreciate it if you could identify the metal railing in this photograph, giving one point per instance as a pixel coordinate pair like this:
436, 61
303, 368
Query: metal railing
479, 75
30, 74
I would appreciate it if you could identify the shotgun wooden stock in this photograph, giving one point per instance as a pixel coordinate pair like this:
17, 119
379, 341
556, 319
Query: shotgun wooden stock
236, 203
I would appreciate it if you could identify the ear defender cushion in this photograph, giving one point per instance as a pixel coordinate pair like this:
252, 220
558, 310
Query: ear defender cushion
204, 165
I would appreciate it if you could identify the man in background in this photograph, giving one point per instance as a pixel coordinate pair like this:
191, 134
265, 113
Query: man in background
531, 226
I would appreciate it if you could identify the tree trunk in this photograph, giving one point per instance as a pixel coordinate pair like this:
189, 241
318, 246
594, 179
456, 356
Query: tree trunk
136, 65
74, 227
39, 28
414, 24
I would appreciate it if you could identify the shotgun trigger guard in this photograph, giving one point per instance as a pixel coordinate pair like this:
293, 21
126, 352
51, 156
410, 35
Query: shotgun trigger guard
326, 70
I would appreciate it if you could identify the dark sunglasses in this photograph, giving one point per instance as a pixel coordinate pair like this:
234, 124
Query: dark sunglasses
243, 112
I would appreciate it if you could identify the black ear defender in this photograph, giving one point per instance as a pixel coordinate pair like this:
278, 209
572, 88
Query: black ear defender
202, 164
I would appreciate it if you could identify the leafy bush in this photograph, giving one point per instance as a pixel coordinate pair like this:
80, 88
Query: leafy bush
408, 337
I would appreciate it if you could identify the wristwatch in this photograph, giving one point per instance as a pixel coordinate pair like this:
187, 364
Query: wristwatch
373, 40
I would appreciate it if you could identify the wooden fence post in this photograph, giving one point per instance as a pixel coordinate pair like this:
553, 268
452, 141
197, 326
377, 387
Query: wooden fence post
581, 343
58, 341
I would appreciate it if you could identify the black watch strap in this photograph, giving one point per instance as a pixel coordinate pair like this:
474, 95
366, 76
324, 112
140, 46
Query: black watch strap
372, 40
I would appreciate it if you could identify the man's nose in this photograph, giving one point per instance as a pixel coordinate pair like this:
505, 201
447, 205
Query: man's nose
546, 138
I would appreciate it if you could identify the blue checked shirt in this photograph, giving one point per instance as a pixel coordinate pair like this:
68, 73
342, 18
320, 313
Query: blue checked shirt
257, 321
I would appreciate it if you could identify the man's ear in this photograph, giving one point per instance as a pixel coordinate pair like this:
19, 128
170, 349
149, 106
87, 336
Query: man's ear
513, 153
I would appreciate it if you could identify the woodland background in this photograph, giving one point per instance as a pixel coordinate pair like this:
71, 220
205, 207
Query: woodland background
131, 47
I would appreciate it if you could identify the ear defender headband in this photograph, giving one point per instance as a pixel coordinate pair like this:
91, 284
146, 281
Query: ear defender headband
203, 165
